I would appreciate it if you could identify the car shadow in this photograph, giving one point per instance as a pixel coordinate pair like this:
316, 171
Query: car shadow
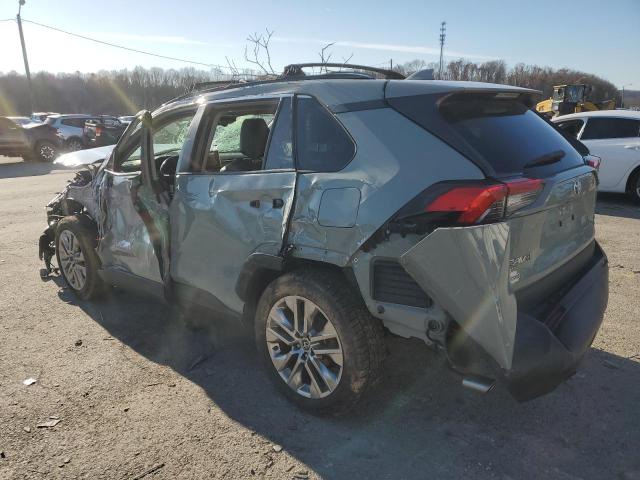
16, 167
617, 205
418, 423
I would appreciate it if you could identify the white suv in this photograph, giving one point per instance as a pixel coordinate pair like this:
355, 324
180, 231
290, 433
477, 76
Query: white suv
614, 136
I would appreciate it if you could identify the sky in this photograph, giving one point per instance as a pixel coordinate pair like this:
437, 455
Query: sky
590, 35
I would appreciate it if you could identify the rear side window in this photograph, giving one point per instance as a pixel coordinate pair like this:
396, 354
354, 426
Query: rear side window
322, 143
571, 127
601, 128
508, 135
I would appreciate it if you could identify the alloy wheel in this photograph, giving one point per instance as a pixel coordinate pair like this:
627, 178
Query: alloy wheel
47, 152
304, 347
74, 145
72, 260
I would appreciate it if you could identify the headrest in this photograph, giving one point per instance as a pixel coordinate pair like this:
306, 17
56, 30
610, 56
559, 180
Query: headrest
253, 137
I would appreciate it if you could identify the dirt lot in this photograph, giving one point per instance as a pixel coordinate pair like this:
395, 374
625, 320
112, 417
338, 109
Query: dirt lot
135, 391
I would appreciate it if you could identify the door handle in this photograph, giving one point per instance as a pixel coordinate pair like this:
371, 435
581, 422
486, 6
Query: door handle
632, 147
278, 203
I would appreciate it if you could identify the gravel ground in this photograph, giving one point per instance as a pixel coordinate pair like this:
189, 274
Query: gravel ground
137, 395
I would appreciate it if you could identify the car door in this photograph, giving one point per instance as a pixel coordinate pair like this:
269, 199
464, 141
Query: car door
135, 205
11, 135
617, 142
233, 198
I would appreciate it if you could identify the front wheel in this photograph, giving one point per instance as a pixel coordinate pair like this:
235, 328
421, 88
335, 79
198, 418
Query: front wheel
318, 341
77, 258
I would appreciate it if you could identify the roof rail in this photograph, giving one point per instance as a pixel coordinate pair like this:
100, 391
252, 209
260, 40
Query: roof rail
291, 72
295, 69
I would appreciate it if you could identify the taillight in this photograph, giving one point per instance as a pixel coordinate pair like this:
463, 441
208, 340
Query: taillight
98, 131
473, 203
485, 203
593, 161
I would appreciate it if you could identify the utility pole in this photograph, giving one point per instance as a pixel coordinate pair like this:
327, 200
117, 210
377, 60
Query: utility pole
622, 99
391, 64
24, 56
443, 34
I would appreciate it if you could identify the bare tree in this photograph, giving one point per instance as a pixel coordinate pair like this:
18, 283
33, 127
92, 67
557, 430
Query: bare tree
260, 47
324, 58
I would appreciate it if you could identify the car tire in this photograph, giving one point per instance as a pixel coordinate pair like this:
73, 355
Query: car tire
74, 144
46, 151
77, 258
634, 186
352, 340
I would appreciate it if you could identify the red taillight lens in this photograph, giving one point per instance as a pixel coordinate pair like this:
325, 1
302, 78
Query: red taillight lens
593, 161
474, 203
98, 131
486, 203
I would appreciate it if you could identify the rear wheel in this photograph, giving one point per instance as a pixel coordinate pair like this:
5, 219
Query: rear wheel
634, 186
46, 151
74, 144
318, 341
77, 259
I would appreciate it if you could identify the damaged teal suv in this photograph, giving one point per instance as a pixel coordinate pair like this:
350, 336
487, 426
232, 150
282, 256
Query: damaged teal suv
323, 210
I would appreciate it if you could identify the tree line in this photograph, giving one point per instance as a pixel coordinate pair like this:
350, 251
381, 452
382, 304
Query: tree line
127, 91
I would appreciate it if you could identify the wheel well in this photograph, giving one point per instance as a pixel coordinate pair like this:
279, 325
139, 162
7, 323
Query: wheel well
262, 277
632, 176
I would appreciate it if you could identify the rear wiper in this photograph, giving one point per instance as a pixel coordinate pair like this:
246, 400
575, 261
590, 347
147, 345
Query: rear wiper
546, 159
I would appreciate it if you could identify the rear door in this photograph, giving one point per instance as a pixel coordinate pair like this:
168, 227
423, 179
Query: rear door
617, 142
11, 134
233, 197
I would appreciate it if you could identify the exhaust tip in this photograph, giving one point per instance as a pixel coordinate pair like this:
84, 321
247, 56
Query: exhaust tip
478, 383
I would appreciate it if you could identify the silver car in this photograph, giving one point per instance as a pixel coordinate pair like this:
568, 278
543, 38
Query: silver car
325, 210
71, 128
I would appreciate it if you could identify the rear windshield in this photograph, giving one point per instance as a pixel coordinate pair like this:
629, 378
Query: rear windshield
508, 135
496, 131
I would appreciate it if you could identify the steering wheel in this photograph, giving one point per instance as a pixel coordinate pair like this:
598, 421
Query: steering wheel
168, 169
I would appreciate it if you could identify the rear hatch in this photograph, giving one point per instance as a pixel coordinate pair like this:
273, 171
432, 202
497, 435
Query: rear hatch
508, 243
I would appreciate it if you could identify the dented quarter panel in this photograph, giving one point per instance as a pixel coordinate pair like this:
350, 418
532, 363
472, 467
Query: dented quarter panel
215, 228
467, 270
395, 160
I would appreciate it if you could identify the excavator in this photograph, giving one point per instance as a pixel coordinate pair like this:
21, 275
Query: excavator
572, 99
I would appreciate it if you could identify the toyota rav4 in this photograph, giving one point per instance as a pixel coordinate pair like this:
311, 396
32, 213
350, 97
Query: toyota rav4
321, 210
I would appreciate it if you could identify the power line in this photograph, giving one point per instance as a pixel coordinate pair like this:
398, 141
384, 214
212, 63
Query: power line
8, 20
125, 48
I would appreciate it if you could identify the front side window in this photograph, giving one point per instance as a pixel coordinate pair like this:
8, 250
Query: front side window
167, 139
601, 128
322, 143
239, 137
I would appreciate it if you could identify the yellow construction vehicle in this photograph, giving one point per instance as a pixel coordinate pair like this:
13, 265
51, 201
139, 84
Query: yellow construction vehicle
572, 99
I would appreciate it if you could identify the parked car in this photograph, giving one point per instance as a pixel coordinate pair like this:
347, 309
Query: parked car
614, 136
102, 131
21, 120
318, 211
32, 140
126, 119
41, 116
71, 128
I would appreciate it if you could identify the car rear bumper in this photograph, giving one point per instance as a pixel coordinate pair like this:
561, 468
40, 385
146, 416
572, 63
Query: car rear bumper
548, 350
